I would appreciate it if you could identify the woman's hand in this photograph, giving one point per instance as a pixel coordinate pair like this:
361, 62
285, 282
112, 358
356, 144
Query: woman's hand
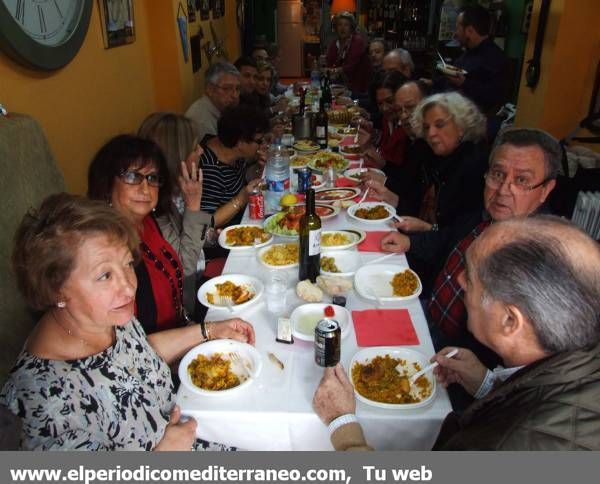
464, 368
412, 224
395, 242
178, 435
190, 183
372, 176
236, 329
250, 187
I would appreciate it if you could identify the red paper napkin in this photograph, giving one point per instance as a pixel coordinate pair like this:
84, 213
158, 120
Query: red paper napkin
384, 327
343, 182
372, 242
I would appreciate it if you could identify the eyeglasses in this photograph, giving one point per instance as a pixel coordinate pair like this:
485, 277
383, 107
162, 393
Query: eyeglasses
135, 178
439, 124
229, 89
519, 185
406, 110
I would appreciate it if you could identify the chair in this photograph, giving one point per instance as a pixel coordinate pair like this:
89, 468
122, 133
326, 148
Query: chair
29, 174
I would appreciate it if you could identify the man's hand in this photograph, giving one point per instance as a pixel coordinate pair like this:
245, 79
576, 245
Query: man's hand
457, 80
412, 224
335, 395
464, 368
395, 242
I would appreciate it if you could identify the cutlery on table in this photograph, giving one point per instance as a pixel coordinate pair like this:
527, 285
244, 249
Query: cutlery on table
237, 359
382, 258
418, 374
376, 296
228, 302
362, 199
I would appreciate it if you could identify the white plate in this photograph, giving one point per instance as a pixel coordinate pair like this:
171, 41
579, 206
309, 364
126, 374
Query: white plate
262, 252
250, 357
352, 172
366, 355
312, 164
450, 72
304, 319
347, 261
353, 236
352, 210
305, 148
254, 285
223, 239
377, 278
336, 194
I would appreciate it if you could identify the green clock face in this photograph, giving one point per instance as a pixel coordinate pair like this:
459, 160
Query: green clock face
44, 34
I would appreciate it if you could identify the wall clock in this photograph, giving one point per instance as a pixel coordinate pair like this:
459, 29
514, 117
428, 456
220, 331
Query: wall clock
43, 34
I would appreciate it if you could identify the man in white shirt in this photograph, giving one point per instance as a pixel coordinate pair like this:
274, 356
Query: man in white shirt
222, 90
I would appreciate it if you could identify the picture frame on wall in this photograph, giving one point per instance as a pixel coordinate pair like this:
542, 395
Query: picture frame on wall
216, 8
204, 7
118, 26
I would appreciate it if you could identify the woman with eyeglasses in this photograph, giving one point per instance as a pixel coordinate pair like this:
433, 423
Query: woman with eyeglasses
225, 189
187, 227
131, 174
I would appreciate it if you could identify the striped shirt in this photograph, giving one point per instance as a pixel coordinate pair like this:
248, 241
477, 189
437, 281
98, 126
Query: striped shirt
221, 182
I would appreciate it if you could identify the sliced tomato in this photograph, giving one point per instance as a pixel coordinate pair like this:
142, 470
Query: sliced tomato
329, 311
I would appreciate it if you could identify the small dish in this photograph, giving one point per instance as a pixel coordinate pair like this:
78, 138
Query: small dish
373, 281
249, 355
369, 205
450, 70
347, 261
279, 262
252, 284
223, 238
304, 319
336, 194
353, 238
411, 357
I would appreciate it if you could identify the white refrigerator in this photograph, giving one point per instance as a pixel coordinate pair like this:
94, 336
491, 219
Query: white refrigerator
290, 37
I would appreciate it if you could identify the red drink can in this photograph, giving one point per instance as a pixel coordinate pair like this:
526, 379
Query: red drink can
256, 205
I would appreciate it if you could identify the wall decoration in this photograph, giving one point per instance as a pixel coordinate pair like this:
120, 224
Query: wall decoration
117, 22
191, 11
196, 52
217, 9
182, 25
204, 9
222, 2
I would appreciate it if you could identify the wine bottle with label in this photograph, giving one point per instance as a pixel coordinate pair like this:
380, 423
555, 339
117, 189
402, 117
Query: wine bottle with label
321, 123
310, 240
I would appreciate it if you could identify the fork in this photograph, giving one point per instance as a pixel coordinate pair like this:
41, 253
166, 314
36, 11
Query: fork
441, 58
433, 365
227, 301
237, 359
376, 296
363, 198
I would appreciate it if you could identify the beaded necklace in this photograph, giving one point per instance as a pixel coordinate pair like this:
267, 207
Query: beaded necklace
176, 287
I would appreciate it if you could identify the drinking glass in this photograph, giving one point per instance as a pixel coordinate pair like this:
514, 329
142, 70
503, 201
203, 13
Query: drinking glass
275, 291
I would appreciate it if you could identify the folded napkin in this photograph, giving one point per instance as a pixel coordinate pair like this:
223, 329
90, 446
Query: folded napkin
343, 182
384, 327
372, 242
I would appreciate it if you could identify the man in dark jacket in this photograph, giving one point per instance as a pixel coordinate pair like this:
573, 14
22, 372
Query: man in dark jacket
533, 296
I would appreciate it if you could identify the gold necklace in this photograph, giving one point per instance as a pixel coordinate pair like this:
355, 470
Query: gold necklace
70, 333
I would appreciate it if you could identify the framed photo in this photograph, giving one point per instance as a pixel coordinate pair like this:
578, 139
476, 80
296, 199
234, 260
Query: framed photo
117, 22
204, 9
216, 8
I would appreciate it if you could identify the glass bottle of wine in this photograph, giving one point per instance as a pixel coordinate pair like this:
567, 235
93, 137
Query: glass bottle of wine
321, 126
310, 240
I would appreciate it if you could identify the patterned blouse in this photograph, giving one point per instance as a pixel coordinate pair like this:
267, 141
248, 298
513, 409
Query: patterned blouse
119, 399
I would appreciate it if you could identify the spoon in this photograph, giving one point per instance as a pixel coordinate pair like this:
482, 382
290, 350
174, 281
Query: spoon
418, 374
441, 58
363, 198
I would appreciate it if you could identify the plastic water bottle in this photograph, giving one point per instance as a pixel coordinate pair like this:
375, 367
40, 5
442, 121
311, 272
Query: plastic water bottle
277, 174
315, 76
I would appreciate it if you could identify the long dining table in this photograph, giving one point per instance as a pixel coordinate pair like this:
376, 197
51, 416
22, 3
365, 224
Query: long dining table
275, 412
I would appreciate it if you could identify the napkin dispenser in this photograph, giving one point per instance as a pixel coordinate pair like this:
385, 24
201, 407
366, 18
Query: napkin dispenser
302, 126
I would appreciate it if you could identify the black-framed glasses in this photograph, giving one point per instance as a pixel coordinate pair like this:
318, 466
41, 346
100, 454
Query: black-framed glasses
131, 177
519, 185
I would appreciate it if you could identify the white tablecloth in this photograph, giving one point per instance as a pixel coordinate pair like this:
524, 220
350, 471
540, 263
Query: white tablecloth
275, 412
